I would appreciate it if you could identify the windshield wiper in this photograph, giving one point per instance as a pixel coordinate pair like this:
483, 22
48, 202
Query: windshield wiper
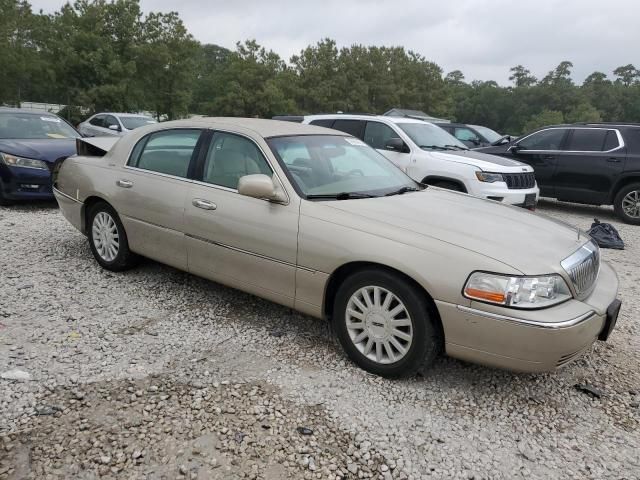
342, 195
434, 147
402, 190
456, 147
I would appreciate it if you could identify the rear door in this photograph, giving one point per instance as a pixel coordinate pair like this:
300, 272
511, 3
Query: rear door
590, 164
152, 190
541, 150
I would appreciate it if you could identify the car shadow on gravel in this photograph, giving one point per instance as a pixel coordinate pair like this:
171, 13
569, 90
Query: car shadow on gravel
602, 213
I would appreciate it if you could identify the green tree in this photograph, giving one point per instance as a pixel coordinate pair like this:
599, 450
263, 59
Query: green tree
546, 117
626, 75
521, 77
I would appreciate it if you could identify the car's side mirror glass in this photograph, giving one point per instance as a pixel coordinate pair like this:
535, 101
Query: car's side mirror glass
261, 186
396, 144
115, 128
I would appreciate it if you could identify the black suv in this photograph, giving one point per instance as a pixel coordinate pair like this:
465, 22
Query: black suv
594, 163
473, 136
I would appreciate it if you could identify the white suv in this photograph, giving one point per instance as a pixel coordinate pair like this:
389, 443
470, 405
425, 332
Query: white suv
430, 155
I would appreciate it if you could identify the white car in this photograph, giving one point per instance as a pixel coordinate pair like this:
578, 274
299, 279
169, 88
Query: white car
432, 156
113, 124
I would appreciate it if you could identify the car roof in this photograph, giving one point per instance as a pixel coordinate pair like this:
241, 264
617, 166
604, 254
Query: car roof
381, 118
122, 114
264, 127
28, 111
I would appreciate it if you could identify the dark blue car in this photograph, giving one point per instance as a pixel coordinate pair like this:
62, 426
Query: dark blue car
30, 144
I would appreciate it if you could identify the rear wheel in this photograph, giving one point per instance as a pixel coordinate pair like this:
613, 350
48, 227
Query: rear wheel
627, 204
108, 240
385, 325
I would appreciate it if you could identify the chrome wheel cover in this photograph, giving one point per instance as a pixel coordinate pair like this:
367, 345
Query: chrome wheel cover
631, 204
105, 236
379, 324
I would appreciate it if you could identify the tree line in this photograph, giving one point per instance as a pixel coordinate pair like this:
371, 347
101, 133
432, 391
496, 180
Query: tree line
107, 55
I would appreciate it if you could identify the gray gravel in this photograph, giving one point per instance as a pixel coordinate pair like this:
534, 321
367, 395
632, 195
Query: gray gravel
158, 374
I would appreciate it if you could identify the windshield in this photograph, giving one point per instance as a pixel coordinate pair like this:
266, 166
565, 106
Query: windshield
431, 137
29, 126
487, 133
330, 166
131, 123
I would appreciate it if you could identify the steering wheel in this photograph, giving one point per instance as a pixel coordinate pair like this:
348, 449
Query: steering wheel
356, 171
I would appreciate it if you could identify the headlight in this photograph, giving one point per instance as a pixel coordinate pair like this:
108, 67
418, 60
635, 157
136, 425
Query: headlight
14, 161
489, 177
517, 292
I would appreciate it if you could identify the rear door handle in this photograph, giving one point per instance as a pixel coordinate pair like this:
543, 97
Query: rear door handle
203, 204
613, 160
124, 183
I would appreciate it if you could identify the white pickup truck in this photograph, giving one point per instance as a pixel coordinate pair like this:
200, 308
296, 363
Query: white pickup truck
430, 155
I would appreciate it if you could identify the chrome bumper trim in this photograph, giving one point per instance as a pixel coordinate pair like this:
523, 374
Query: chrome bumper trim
62, 194
533, 323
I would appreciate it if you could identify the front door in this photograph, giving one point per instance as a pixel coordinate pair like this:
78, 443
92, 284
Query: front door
377, 135
541, 150
240, 241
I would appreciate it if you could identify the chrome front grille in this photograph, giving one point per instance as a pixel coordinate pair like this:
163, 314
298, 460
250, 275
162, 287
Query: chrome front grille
583, 267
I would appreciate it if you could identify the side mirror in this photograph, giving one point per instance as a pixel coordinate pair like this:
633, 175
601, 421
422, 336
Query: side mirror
395, 144
261, 186
514, 148
115, 128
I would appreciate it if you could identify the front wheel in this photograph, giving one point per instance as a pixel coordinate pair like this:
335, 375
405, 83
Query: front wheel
627, 204
108, 240
384, 324
4, 202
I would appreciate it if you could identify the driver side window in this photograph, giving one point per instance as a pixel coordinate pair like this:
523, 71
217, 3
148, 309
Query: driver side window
466, 135
377, 135
544, 140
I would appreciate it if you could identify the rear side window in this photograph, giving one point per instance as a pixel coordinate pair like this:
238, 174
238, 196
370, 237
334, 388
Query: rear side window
322, 122
544, 140
588, 140
167, 152
611, 141
352, 127
377, 135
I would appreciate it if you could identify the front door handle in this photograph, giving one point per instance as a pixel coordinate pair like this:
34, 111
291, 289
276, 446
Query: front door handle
203, 204
613, 160
124, 183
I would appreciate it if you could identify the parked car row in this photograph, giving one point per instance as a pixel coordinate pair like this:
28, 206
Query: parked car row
430, 155
317, 220
32, 141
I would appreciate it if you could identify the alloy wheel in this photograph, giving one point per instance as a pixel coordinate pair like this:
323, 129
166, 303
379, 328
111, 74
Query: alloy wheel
631, 204
379, 324
105, 236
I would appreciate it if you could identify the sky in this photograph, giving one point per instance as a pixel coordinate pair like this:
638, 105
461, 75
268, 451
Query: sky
482, 38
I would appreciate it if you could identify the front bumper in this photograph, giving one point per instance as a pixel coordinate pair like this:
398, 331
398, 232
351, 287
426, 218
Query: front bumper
530, 340
500, 192
25, 183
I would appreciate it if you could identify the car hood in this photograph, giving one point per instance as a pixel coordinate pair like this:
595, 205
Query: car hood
48, 150
526, 241
484, 161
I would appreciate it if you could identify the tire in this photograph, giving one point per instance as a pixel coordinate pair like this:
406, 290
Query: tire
448, 185
360, 337
623, 204
104, 229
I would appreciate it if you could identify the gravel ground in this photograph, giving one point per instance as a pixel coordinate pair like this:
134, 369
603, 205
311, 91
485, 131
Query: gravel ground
158, 374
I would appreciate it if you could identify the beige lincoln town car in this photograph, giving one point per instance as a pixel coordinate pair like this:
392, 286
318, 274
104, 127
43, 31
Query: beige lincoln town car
316, 220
